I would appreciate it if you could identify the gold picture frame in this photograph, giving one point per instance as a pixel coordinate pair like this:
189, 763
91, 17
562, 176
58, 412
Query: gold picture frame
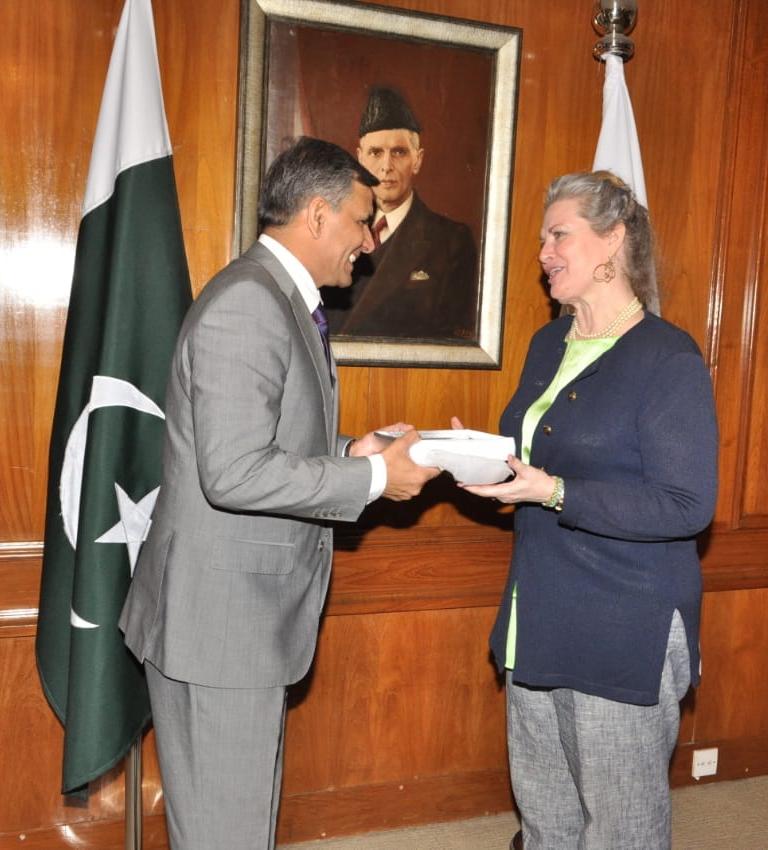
306, 66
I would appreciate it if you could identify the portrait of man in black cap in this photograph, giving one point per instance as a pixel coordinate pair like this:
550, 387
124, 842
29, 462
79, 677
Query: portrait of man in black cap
421, 280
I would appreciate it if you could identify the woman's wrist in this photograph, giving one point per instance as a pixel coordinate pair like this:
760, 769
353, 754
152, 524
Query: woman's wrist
557, 498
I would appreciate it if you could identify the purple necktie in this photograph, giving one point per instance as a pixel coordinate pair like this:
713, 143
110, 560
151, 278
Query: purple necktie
321, 320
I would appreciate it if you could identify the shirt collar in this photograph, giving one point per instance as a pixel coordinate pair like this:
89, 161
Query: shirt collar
394, 218
296, 271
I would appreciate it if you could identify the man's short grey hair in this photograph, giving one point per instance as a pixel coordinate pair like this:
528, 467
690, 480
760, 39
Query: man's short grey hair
604, 201
308, 168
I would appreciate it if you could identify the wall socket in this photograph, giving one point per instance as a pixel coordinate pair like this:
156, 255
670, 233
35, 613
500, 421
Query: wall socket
704, 763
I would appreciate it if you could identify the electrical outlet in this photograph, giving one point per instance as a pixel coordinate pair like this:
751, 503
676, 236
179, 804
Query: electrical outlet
704, 763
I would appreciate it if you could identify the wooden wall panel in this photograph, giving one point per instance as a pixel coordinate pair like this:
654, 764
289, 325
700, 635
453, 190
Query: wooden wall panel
374, 717
733, 657
401, 720
739, 278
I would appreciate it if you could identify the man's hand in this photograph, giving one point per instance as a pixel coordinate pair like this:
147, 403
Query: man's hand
405, 478
372, 444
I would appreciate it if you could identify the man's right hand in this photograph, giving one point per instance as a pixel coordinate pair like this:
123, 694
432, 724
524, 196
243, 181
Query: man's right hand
405, 478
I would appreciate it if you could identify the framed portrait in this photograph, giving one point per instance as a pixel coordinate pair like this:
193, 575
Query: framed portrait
428, 105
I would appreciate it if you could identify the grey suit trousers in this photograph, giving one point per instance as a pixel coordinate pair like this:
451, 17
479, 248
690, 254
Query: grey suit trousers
220, 751
591, 773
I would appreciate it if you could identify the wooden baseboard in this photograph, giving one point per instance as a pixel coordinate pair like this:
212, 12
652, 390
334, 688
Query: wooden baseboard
357, 810
738, 759
87, 835
303, 817
347, 811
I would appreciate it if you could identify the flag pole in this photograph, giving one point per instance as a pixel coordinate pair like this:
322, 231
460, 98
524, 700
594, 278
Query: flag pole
133, 807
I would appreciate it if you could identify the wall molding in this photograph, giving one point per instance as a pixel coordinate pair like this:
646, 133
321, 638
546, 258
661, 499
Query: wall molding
384, 570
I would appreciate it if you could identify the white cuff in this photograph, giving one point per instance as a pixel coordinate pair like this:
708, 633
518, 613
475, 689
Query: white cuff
378, 477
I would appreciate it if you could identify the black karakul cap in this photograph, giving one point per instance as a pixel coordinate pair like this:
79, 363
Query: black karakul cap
387, 109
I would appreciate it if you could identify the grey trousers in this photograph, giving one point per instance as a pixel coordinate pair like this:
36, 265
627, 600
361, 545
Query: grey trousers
590, 773
221, 756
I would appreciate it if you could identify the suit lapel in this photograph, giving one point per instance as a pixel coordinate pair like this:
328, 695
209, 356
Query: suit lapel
308, 331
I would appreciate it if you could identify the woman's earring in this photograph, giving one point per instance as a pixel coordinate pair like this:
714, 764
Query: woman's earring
605, 272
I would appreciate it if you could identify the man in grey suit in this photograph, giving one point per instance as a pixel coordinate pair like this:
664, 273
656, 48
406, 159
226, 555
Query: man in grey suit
226, 599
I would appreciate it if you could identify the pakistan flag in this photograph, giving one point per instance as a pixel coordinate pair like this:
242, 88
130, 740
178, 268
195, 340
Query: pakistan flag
129, 293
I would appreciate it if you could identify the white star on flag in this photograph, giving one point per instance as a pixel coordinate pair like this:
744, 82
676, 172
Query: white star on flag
135, 519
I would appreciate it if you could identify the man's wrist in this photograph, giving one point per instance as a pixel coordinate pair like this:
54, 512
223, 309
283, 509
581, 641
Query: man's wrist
378, 477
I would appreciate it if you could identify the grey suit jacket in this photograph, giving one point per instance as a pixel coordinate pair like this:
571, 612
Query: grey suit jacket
231, 580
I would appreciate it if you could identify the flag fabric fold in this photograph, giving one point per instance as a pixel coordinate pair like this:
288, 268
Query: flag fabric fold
130, 291
618, 146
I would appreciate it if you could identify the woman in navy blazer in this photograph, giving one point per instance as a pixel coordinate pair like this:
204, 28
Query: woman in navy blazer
598, 627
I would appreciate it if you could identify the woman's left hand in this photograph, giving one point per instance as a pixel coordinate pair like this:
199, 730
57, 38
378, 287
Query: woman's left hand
530, 484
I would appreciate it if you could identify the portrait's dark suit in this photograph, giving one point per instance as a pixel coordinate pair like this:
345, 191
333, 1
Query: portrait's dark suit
422, 283
231, 581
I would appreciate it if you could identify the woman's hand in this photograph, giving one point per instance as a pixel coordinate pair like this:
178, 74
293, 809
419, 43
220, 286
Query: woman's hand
530, 484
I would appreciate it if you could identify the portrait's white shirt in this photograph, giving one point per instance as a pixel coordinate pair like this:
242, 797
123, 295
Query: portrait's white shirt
310, 294
394, 218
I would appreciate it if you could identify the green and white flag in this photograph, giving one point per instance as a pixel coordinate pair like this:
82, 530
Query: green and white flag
130, 291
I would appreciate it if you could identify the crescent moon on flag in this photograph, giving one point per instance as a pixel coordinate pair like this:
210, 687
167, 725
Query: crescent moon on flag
105, 392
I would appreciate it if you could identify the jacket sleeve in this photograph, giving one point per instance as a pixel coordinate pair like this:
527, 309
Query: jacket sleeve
248, 387
676, 432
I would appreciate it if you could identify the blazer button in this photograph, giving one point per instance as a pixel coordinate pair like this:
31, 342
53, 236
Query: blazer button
572, 395
547, 429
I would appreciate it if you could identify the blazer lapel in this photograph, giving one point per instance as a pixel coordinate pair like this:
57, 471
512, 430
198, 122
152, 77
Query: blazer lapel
308, 330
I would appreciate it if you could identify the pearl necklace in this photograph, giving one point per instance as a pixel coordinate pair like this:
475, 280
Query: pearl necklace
633, 307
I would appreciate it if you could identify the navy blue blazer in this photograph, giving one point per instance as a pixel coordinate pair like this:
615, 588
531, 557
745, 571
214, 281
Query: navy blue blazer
634, 437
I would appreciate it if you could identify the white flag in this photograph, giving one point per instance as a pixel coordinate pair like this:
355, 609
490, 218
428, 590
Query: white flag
618, 149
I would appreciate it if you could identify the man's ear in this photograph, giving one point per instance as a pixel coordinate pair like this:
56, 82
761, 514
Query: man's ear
315, 215
417, 160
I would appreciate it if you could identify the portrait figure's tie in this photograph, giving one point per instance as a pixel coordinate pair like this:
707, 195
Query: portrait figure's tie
376, 231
